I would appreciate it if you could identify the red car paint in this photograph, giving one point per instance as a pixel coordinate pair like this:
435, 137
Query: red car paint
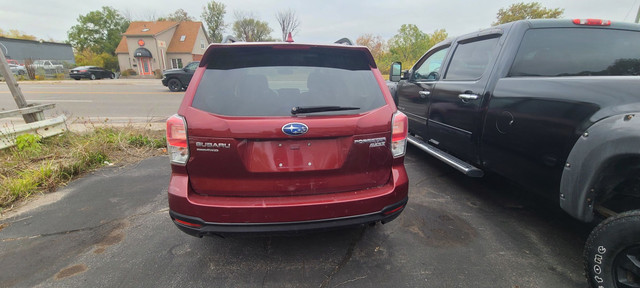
244, 174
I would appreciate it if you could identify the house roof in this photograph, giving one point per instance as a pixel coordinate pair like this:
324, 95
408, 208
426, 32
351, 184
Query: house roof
141, 28
190, 32
123, 47
182, 41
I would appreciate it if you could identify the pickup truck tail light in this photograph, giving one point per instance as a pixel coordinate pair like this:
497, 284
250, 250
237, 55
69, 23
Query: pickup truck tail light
177, 140
592, 22
399, 130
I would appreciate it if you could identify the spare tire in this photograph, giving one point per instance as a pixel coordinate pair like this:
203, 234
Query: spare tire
612, 252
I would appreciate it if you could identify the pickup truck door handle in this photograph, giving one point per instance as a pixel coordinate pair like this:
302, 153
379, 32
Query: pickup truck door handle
424, 94
466, 97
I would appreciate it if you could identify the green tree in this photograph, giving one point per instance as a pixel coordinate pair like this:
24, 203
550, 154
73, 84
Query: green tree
249, 29
89, 58
409, 44
178, 16
213, 16
521, 11
437, 37
99, 31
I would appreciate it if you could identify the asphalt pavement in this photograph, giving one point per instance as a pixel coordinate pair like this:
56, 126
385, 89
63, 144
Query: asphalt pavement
111, 228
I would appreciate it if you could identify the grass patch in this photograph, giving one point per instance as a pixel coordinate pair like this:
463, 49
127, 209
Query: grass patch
37, 165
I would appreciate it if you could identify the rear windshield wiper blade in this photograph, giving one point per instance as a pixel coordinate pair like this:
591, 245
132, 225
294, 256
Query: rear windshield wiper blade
314, 109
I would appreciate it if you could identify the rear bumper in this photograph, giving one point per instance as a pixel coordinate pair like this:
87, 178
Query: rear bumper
196, 227
199, 215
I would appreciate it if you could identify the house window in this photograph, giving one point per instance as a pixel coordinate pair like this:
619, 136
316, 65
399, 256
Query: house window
182, 38
176, 63
201, 44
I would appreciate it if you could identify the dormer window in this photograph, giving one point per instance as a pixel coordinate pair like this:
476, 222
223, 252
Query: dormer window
182, 38
145, 29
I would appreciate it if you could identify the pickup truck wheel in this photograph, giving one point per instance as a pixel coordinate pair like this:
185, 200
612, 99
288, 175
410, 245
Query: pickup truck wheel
92, 77
612, 252
174, 85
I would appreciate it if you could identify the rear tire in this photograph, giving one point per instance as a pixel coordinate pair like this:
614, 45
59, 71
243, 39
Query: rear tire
112, 76
612, 252
174, 85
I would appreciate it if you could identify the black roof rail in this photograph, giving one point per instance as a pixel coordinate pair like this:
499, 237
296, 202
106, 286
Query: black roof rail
344, 41
229, 39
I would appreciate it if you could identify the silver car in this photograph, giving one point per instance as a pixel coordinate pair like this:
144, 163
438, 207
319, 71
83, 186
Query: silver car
17, 69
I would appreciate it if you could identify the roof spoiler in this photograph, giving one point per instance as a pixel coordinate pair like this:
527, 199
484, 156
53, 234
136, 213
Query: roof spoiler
344, 41
229, 39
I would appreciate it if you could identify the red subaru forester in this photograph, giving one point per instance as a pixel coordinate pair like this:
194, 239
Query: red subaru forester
275, 137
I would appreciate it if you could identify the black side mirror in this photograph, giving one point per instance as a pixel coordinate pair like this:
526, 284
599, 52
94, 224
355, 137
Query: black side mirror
395, 72
433, 76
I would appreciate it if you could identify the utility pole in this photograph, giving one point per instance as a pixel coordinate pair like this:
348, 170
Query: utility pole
16, 92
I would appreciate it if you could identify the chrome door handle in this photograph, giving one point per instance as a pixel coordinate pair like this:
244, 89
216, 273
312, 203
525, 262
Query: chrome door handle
468, 96
424, 94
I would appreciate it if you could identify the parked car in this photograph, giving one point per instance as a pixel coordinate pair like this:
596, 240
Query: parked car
274, 137
90, 72
17, 69
12, 61
49, 66
541, 103
178, 79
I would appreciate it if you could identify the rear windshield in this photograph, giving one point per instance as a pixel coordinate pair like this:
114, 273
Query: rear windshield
578, 52
263, 81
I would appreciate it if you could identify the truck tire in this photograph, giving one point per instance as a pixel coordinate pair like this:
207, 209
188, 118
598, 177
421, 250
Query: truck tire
612, 252
175, 85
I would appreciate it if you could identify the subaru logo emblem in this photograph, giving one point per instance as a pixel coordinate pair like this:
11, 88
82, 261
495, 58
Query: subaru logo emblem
294, 129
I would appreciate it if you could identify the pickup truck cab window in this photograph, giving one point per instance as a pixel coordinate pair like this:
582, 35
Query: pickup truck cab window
428, 69
570, 52
192, 66
470, 59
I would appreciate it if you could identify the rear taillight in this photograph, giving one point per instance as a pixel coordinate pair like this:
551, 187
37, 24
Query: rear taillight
177, 140
592, 22
399, 130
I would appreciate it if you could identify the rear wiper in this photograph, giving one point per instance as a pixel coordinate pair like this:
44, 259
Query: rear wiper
314, 109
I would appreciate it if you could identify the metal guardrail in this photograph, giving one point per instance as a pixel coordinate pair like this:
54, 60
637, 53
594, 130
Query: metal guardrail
43, 128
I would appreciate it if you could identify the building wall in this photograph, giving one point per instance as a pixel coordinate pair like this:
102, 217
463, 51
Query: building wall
22, 49
198, 49
124, 62
149, 43
185, 57
166, 36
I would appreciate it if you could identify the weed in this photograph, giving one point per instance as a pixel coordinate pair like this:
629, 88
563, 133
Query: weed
28, 144
38, 165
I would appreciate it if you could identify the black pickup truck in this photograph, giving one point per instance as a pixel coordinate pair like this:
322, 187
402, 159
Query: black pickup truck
553, 105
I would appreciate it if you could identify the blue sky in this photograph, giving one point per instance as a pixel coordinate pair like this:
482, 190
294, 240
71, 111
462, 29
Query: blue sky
321, 21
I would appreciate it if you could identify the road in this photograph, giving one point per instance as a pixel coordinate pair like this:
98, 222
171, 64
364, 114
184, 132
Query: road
112, 229
116, 101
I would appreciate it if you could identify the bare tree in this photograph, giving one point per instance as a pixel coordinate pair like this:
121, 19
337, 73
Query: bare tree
288, 23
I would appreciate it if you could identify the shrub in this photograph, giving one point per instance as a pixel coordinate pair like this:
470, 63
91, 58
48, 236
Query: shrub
158, 73
129, 72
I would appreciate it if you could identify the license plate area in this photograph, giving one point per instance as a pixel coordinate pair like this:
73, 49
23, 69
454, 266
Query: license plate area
296, 155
